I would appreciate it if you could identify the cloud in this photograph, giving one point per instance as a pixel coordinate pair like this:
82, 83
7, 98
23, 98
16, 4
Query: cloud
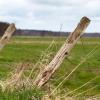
49, 14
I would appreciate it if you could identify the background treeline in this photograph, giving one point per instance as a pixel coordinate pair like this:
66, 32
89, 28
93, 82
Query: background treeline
25, 32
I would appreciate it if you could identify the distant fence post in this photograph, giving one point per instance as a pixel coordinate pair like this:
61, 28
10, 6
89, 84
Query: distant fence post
49, 70
7, 35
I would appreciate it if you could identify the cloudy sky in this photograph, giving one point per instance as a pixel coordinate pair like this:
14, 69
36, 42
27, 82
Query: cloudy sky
50, 14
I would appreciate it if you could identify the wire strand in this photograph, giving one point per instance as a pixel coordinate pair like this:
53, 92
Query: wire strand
87, 56
85, 91
82, 85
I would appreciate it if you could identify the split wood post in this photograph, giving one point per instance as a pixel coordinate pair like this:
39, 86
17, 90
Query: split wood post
7, 35
49, 70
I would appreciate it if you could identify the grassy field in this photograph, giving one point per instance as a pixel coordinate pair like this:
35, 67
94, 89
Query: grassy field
29, 49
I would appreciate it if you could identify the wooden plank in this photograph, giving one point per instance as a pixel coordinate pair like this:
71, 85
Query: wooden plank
49, 70
7, 35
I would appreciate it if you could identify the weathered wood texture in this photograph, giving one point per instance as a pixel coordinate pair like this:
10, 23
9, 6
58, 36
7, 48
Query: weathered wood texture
7, 35
49, 70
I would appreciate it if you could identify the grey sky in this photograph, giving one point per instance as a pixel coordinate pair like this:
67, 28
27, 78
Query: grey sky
50, 14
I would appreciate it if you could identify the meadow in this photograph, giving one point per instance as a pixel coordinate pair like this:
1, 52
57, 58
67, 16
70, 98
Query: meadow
29, 48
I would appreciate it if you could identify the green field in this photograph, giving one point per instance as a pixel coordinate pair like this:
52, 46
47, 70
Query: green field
28, 49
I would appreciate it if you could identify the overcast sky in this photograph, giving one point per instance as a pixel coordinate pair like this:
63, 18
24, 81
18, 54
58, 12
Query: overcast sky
50, 14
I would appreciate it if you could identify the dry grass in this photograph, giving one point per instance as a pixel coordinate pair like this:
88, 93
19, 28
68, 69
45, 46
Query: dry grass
18, 79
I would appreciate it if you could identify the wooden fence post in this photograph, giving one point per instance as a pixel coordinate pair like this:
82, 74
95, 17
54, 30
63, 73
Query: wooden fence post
49, 70
7, 35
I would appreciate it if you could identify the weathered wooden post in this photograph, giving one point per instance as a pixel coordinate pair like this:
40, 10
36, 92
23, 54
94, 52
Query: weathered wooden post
49, 70
7, 35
